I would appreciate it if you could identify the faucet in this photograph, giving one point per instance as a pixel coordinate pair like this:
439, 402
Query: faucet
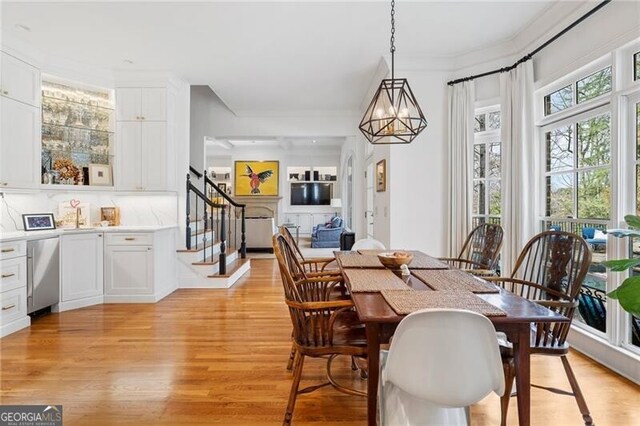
78, 211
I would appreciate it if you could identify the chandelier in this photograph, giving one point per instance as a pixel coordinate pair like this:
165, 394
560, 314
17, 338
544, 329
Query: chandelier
393, 116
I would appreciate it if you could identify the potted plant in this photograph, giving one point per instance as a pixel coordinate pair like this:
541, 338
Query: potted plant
628, 293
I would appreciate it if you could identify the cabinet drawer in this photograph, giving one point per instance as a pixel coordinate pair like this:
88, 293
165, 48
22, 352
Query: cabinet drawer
12, 249
129, 239
13, 273
13, 305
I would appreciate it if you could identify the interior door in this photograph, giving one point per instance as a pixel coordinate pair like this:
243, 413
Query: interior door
369, 211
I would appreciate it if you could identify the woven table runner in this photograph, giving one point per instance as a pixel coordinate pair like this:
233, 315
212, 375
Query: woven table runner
373, 280
405, 302
454, 280
355, 260
420, 260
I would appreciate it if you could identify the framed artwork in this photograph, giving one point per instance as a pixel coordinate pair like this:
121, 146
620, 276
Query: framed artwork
256, 178
100, 174
111, 215
223, 187
381, 176
38, 221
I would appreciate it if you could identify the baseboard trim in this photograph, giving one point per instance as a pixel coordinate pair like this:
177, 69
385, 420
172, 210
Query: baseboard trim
77, 304
14, 326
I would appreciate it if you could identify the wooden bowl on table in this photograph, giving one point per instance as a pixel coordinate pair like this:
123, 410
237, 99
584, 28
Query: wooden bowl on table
395, 259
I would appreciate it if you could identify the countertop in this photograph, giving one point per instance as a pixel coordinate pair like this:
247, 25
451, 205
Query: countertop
35, 235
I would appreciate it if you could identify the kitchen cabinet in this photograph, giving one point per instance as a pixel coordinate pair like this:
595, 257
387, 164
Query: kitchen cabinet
142, 156
19, 80
82, 261
141, 104
139, 267
129, 270
19, 144
13, 287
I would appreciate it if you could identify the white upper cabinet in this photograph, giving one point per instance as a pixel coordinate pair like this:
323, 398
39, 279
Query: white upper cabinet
141, 104
19, 81
154, 155
19, 144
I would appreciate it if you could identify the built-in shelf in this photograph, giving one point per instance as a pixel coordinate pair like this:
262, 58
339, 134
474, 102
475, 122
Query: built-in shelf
76, 135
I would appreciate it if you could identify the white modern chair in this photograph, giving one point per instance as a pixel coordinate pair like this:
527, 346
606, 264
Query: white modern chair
368, 244
439, 363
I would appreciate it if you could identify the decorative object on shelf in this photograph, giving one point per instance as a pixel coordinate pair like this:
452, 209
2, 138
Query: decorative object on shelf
381, 176
74, 214
100, 174
111, 215
38, 221
256, 178
76, 130
393, 116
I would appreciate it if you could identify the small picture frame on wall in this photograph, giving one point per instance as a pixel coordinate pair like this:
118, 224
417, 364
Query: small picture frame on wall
111, 215
381, 176
223, 187
38, 221
100, 174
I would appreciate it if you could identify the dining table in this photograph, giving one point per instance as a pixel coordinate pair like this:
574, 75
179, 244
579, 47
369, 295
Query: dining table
381, 320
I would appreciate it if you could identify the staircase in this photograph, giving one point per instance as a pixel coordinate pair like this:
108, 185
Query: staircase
215, 249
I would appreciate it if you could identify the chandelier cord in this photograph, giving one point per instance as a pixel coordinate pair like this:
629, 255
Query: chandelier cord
393, 36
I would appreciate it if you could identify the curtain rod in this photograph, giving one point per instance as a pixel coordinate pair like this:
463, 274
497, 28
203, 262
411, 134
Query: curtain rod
530, 55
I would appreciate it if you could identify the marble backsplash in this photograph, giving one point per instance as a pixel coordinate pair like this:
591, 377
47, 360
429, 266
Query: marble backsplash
135, 210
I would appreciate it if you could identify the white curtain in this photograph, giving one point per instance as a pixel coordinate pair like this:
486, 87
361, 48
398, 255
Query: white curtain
460, 164
519, 162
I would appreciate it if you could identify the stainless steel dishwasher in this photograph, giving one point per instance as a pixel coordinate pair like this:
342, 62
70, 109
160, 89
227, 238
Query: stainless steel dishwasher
43, 273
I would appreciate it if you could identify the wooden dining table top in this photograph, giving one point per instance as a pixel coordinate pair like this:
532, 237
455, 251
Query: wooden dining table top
372, 307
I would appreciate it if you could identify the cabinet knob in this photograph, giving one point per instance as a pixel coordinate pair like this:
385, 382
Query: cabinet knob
8, 250
5, 92
99, 235
6, 308
129, 239
7, 275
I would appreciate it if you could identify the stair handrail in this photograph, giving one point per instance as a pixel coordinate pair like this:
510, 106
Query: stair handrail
241, 206
222, 263
195, 172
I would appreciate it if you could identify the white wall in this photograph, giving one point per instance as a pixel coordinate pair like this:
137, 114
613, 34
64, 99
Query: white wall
417, 172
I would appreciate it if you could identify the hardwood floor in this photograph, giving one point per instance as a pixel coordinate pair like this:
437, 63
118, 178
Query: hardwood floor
219, 356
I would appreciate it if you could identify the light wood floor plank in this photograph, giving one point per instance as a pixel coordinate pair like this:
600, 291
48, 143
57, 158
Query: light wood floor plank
218, 357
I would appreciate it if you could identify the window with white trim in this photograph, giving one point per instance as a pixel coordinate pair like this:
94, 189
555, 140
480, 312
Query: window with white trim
486, 166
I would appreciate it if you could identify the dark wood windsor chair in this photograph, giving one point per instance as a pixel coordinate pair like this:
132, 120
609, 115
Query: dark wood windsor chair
312, 266
479, 254
323, 326
549, 271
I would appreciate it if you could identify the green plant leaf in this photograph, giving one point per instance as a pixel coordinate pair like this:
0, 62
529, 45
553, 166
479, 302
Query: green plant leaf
621, 264
633, 221
628, 294
621, 233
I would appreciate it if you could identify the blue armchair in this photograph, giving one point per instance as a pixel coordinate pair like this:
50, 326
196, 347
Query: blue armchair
597, 242
327, 235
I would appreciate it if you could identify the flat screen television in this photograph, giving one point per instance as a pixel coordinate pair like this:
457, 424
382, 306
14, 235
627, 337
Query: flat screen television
311, 194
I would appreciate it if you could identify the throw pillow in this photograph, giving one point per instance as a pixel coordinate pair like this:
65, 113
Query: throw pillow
599, 235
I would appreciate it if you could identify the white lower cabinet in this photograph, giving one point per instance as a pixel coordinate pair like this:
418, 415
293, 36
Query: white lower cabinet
129, 270
81, 269
139, 267
13, 287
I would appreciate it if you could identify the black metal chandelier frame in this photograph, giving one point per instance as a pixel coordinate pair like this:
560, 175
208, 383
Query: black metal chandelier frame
393, 116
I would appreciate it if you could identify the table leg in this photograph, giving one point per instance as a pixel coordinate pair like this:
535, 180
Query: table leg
373, 362
521, 350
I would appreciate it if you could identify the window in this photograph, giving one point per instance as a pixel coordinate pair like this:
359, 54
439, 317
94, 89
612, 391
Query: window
583, 90
578, 171
578, 196
636, 66
486, 167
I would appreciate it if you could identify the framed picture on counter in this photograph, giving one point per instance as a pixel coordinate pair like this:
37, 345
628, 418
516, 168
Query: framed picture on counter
38, 221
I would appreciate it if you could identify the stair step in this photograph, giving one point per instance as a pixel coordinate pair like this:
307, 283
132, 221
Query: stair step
197, 248
231, 268
215, 262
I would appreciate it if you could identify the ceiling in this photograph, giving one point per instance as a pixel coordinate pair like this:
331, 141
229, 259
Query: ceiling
265, 57
214, 145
